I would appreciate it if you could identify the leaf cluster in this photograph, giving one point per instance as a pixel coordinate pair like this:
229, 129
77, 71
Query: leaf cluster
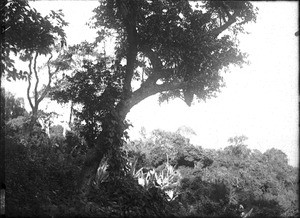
24, 30
95, 90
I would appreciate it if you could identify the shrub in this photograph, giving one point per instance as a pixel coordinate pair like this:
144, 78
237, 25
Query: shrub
125, 197
39, 182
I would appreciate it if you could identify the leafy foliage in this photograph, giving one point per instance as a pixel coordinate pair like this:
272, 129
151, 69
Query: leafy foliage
37, 178
175, 43
235, 176
48, 177
25, 30
127, 198
176, 147
86, 88
42, 181
255, 180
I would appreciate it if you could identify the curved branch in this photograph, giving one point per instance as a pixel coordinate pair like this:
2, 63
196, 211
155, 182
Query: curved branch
44, 93
145, 92
37, 81
157, 66
231, 20
29, 84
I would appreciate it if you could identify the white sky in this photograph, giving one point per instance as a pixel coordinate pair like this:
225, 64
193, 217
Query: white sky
260, 100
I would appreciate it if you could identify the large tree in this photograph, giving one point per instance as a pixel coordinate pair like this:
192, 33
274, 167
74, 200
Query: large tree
175, 48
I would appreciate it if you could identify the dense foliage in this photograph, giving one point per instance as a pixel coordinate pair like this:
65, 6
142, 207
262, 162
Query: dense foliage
42, 175
233, 176
23, 31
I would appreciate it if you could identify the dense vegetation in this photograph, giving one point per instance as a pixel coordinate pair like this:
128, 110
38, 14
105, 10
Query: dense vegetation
94, 169
42, 174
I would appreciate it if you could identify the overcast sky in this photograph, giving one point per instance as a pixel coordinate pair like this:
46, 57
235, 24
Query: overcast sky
260, 100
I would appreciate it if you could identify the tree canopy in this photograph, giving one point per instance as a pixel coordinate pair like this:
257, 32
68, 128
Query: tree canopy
181, 47
24, 30
29, 35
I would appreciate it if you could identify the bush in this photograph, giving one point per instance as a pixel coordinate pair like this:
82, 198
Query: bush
201, 198
75, 144
266, 208
25, 189
39, 182
124, 197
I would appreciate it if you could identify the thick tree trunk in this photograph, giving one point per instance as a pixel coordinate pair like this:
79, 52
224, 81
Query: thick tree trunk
105, 143
113, 127
89, 170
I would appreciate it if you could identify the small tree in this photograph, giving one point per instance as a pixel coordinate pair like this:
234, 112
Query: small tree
53, 67
30, 35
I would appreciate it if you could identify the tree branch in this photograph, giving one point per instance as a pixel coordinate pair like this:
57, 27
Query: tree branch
145, 92
156, 66
44, 93
231, 20
29, 84
128, 12
155, 61
37, 81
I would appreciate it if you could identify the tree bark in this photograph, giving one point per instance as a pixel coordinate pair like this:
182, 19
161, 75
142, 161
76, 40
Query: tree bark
103, 145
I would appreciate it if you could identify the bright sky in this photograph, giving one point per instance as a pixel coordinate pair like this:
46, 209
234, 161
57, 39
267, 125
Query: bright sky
260, 100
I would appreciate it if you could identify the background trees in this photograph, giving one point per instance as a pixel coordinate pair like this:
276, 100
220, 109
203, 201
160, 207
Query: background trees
14, 107
220, 180
234, 175
162, 146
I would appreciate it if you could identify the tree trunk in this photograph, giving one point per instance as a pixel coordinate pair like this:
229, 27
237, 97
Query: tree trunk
34, 118
105, 144
71, 113
89, 170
